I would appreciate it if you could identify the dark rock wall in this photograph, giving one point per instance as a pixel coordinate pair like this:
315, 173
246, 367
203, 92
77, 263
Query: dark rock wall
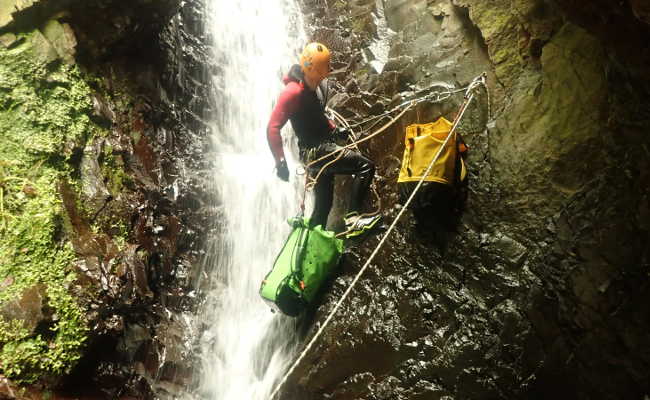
165, 75
129, 193
542, 289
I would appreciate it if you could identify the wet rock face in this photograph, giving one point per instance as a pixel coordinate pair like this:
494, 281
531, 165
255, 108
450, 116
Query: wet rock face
143, 339
540, 290
622, 25
28, 307
124, 177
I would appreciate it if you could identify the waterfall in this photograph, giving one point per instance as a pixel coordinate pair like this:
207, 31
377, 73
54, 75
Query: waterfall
245, 348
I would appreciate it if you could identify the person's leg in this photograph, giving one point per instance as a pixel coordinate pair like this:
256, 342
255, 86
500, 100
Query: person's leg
348, 163
324, 194
363, 170
362, 180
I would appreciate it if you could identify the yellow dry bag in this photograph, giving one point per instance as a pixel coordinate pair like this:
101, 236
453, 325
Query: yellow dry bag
422, 143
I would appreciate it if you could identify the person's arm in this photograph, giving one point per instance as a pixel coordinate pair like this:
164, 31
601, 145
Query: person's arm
284, 108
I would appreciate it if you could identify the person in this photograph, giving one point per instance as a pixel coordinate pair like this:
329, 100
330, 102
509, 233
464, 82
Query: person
303, 102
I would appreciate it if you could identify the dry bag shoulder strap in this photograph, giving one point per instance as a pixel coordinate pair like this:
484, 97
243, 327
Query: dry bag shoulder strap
298, 253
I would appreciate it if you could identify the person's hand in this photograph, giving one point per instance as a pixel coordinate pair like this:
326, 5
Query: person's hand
340, 133
282, 170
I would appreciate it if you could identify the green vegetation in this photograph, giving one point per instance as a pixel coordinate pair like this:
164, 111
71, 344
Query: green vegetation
113, 169
12, 330
44, 108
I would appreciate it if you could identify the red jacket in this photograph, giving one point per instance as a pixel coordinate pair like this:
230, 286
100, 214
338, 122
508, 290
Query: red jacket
306, 111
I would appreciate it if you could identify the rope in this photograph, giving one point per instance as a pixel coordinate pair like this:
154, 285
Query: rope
489, 101
304, 196
435, 97
375, 133
341, 150
468, 98
339, 118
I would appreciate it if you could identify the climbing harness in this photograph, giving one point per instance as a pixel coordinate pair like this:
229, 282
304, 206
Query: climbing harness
469, 96
339, 152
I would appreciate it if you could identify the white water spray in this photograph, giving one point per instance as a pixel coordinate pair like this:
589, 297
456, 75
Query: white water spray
246, 347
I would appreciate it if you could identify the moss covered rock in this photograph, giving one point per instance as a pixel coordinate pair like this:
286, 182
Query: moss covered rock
551, 134
10, 7
92, 231
44, 107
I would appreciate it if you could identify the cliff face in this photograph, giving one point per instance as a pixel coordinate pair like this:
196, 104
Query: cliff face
542, 289
99, 217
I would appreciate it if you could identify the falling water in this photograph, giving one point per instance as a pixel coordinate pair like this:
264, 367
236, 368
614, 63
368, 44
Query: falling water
246, 347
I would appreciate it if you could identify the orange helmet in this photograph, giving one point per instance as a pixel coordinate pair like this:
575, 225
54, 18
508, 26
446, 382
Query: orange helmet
315, 61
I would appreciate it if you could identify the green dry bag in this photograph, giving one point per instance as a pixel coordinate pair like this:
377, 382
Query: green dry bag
306, 260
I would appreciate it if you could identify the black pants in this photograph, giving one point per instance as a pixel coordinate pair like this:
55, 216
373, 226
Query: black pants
350, 163
436, 205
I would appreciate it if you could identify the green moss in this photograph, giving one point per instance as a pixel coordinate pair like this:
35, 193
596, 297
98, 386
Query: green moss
44, 108
113, 170
12, 330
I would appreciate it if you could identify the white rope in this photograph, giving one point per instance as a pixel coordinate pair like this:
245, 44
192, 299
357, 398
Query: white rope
433, 97
339, 118
469, 97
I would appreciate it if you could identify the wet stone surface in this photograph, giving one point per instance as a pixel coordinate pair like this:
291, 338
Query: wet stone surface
135, 206
540, 290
